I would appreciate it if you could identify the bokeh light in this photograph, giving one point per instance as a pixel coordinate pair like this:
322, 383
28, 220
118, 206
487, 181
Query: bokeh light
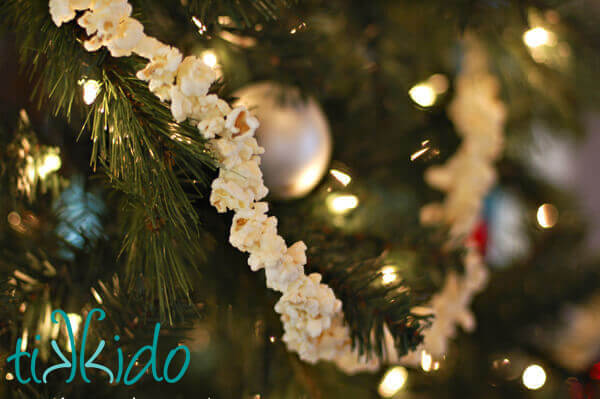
534, 377
393, 381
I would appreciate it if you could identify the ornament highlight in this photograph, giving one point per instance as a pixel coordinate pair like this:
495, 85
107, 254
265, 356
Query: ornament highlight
295, 135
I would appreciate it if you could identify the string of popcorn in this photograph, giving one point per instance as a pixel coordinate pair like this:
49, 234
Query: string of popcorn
312, 316
478, 116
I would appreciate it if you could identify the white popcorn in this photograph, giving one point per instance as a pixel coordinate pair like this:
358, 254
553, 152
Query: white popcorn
231, 153
228, 195
128, 34
308, 306
65, 10
253, 231
194, 77
211, 127
248, 224
104, 17
289, 269
61, 11
241, 123
162, 68
196, 107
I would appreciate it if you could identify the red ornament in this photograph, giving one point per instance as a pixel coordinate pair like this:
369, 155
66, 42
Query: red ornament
479, 237
595, 372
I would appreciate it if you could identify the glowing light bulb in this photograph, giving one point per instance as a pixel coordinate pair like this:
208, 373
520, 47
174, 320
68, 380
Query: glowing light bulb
10, 377
90, 91
388, 274
340, 176
537, 37
210, 58
426, 361
392, 381
423, 94
199, 24
51, 163
534, 377
75, 321
341, 203
547, 216
24, 339
96, 295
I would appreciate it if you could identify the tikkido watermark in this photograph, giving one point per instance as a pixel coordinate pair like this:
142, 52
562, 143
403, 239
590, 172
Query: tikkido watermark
77, 361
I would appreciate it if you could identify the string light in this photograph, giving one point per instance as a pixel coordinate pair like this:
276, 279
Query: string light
51, 163
423, 94
75, 321
201, 27
547, 216
90, 91
393, 381
426, 361
10, 377
24, 339
210, 58
534, 377
340, 176
341, 203
537, 37
388, 274
96, 295
418, 153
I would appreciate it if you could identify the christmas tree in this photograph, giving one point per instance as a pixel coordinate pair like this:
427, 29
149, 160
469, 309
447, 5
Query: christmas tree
297, 199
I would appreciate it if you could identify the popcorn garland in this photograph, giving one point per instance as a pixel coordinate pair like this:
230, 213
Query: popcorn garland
479, 117
312, 316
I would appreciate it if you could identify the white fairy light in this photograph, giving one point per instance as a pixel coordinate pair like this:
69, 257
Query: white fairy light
90, 91
392, 381
210, 58
24, 339
96, 295
423, 94
537, 37
388, 274
51, 163
426, 361
75, 321
341, 203
201, 27
534, 377
340, 176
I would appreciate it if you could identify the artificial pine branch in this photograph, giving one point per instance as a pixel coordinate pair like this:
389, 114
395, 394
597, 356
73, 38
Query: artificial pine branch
157, 163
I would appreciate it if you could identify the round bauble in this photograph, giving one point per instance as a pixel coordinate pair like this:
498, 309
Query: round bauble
295, 135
